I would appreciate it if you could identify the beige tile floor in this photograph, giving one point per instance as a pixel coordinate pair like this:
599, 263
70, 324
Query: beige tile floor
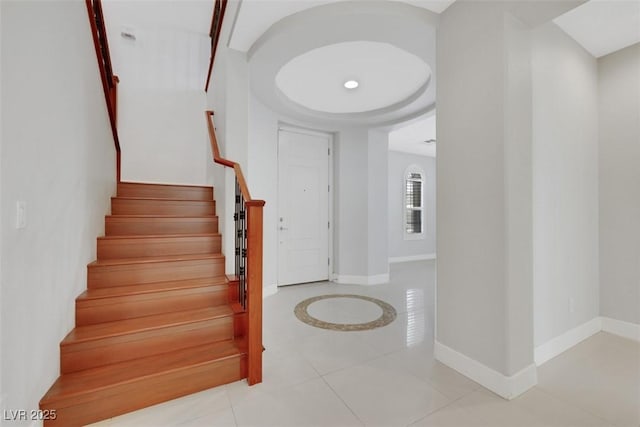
388, 376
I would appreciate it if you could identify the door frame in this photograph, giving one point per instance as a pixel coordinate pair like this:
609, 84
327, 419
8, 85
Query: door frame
330, 196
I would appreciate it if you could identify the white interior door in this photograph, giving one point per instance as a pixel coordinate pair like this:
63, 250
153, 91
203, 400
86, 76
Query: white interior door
303, 207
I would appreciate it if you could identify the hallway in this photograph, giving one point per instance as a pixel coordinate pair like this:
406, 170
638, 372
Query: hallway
388, 376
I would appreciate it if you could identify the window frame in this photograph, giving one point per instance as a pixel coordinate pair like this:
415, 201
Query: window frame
413, 169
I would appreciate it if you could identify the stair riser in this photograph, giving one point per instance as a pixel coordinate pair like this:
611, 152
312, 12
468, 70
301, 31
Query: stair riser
164, 192
115, 226
89, 354
135, 247
161, 207
145, 392
129, 274
89, 312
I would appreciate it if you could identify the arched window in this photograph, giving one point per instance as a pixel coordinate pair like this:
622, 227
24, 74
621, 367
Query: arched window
414, 203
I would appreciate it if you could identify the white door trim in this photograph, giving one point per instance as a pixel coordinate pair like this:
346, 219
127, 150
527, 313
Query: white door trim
304, 131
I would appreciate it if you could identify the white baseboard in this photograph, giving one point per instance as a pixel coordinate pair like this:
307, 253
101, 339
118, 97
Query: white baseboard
422, 257
377, 279
621, 328
267, 291
506, 387
564, 342
514, 385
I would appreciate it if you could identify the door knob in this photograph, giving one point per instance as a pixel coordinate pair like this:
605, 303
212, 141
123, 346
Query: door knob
283, 228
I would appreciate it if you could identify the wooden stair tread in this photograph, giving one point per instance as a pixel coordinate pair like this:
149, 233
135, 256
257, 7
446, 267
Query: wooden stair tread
140, 324
162, 199
151, 216
154, 245
91, 380
153, 184
116, 291
145, 260
158, 236
163, 206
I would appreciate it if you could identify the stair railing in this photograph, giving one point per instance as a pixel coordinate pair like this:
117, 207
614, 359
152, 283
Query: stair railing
109, 80
219, 8
248, 257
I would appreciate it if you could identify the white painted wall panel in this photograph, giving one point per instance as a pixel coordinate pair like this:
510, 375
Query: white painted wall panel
619, 98
58, 157
565, 160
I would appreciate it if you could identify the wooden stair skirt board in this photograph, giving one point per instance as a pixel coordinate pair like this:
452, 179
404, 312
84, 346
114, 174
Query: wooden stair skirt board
158, 320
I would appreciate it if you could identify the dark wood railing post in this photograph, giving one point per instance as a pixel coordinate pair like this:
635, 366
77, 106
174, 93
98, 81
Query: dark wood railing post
254, 290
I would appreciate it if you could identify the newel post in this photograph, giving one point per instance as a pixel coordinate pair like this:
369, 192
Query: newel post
254, 290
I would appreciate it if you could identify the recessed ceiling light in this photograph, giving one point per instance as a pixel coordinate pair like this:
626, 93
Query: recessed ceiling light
351, 84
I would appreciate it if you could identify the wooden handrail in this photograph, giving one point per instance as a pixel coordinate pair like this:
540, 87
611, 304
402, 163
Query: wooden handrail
217, 158
253, 213
217, 17
109, 80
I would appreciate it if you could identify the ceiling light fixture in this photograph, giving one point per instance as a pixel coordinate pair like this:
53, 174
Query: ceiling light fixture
351, 84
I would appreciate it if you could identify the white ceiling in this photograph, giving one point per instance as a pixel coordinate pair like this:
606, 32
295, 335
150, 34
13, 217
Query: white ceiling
386, 75
257, 16
600, 26
603, 26
411, 138
298, 65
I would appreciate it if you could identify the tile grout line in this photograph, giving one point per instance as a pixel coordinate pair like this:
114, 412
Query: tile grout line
342, 400
233, 411
571, 404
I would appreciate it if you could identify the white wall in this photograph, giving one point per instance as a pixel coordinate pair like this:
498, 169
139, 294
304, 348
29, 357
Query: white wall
484, 191
619, 102
161, 98
565, 183
470, 227
163, 135
377, 203
263, 167
351, 195
398, 246
1, 233
58, 156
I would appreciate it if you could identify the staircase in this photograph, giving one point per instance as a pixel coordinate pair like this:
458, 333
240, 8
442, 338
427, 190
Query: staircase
157, 321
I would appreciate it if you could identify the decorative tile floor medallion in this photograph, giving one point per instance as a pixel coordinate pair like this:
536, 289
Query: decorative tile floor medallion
388, 314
